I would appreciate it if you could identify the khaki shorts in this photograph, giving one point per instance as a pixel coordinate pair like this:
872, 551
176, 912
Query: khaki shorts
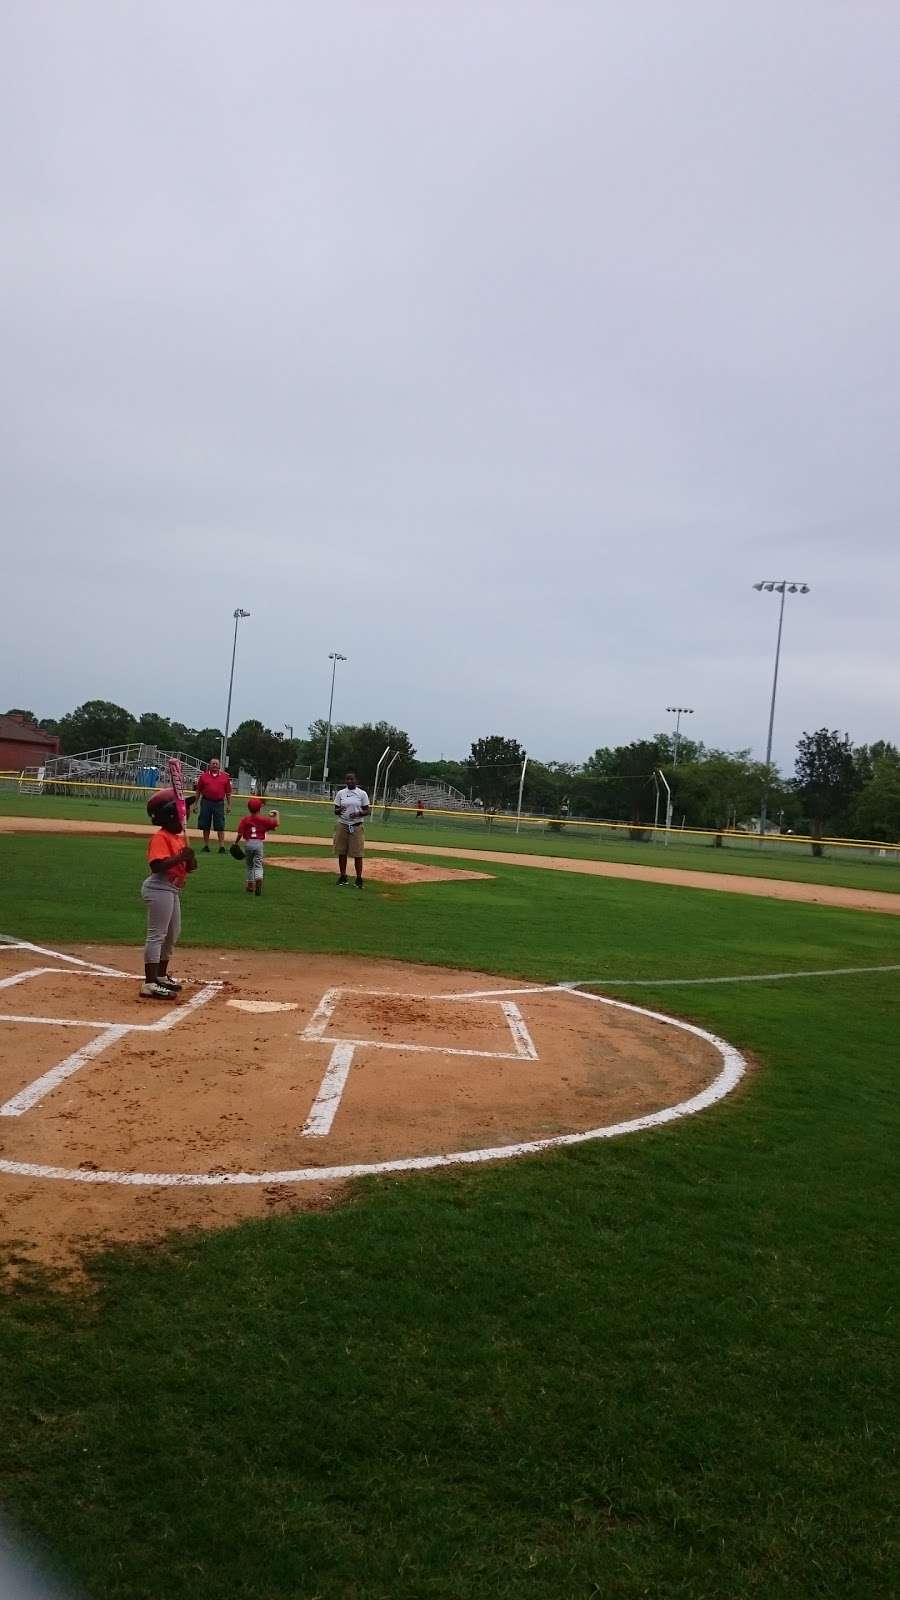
347, 843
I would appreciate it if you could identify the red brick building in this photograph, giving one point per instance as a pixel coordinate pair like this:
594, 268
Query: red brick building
24, 744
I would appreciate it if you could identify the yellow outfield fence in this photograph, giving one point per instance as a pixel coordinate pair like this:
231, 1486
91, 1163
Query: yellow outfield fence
638, 831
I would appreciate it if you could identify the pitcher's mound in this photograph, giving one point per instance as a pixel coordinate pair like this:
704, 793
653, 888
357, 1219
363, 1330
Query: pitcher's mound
378, 869
272, 1079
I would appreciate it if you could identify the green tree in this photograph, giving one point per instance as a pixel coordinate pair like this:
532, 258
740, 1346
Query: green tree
689, 750
826, 781
722, 790
98, 724
206, 744
262, 753
24, 716
358, 746
152, 728
868, 757
544, 788
876, 812
494, 767
455, 773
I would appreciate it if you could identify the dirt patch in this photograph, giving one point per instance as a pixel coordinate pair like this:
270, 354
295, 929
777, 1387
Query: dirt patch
177, 1099
380, 870
723, 882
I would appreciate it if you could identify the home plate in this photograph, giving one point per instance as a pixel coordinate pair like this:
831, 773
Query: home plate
262, 1006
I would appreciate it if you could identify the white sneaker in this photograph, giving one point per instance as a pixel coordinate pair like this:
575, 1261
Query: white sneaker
154, 991
173, 985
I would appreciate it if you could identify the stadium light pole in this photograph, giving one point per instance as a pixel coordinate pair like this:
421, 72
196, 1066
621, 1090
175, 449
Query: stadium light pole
682, 711
780, 586
223, 756
334, 657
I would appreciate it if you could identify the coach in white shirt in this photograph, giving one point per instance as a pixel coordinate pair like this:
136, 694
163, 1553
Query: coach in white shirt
351, 807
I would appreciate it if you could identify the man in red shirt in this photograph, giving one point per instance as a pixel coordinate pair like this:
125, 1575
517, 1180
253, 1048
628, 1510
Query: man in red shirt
214, 793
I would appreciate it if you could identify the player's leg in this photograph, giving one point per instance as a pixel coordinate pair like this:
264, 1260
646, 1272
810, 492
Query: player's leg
158, 898
250, 864
357, 846
341, 844
170, 940
259, 869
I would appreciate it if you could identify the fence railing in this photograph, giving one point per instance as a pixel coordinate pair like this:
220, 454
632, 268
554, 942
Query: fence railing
579, 828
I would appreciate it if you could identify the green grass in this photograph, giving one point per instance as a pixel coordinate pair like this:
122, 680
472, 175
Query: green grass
849, 869
655, 1367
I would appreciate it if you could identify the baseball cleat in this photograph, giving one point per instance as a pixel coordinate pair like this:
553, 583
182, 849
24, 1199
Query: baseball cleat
173, 985
154, 991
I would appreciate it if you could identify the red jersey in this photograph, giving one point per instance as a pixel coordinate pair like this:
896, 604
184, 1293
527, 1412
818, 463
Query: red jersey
213, 786
255, 826
161, 846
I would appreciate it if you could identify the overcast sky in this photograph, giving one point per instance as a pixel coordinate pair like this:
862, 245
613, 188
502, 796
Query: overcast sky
499, 346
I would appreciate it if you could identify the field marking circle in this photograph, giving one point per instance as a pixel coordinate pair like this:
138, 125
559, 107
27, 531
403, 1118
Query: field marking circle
734, 1065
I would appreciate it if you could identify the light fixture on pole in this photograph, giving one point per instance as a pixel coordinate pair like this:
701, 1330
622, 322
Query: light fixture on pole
334, 657
780, 586
681, 711
224, 752
289, 729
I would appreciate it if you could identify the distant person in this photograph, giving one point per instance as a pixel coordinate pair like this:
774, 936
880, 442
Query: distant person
251, 832
351, 807
214, 793
420, 809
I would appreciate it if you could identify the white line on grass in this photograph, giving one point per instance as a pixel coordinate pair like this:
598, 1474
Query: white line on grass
745, 977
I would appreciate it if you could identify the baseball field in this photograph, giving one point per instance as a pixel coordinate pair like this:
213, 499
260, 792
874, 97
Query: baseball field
508, 1228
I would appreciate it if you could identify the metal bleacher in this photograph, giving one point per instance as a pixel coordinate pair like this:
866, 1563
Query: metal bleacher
119, 772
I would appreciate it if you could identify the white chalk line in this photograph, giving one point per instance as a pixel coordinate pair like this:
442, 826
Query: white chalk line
315, 1030
574, 985
51, 1080
111, 1033
744, 977
76, 961
731, 1071
324, 1108
161, 1025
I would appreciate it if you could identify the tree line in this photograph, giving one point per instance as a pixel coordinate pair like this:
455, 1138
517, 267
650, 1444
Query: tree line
837, 788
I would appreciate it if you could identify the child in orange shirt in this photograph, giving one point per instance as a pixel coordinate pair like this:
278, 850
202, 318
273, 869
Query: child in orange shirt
251, 832
171, 859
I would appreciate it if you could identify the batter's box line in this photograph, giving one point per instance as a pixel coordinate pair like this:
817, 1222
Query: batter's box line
12, 942
316, 1032
330, 1092
110, 1034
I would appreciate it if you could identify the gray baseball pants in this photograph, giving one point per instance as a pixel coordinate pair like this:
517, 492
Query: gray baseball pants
163, 918
254, 849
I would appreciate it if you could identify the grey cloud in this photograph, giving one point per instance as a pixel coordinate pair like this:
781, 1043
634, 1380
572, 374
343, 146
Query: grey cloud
501, 347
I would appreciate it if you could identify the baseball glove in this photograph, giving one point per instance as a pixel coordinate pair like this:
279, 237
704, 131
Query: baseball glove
237, 852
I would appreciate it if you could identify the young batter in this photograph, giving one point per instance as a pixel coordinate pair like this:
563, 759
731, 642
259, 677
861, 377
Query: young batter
171, 859
251, 832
